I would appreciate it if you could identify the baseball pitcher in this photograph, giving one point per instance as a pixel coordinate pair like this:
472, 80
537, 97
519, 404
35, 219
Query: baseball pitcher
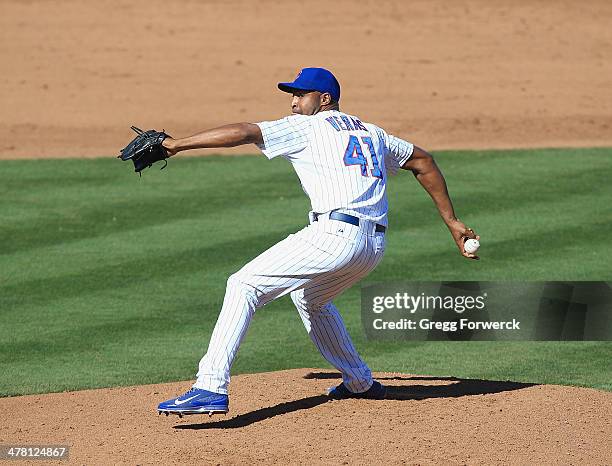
342, 163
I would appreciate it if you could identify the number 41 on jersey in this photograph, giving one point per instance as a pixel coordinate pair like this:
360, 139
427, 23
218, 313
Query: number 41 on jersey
354, 155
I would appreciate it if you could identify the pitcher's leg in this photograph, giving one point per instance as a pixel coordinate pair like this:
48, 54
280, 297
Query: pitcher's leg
239, 305
324, 323
328, 332
281, 269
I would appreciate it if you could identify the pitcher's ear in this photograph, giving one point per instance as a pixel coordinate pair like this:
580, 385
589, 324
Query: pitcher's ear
326, 98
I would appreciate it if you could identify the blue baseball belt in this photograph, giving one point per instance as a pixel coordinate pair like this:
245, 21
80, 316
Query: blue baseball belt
346, 218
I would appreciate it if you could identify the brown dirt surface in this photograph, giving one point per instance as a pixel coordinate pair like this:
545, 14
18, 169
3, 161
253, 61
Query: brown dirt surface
284, 418
442, 74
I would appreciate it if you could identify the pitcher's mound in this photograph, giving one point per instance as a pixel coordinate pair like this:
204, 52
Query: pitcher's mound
285, 418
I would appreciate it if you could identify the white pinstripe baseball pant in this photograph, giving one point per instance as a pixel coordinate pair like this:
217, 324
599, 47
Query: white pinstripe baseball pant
315, 264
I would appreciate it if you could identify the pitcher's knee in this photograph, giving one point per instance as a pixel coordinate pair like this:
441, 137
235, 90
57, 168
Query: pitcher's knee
297, 297
304, 305
239, 283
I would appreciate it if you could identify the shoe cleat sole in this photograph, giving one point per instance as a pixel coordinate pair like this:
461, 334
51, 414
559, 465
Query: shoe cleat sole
182, 413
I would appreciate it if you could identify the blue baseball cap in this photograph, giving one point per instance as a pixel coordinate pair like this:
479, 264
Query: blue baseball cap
314, 79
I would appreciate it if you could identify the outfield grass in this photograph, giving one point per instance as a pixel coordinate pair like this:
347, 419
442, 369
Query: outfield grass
107, 279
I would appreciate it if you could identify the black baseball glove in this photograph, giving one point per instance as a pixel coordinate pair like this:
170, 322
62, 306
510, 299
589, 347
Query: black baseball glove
145, 149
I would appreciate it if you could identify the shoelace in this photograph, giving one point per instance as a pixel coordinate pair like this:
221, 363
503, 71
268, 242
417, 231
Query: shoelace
192, 389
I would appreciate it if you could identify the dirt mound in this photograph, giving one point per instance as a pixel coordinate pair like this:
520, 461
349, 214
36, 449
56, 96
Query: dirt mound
461, 74
282, 418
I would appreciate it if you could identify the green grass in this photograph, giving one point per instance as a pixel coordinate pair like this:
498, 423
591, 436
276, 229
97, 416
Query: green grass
107, 279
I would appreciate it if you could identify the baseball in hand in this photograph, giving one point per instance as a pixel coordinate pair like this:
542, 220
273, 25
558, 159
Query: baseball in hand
471, 246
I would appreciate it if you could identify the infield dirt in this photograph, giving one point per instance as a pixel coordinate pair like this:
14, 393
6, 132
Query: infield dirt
442, 74
284, 418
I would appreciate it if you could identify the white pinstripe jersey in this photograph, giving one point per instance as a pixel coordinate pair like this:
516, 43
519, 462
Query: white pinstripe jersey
341, 162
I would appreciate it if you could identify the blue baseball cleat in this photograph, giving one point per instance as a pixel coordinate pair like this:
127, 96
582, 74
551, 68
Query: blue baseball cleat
376, 392
195, 401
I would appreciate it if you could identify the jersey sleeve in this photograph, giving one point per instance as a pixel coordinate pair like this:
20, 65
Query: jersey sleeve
398, 149
286, 137
397, 153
